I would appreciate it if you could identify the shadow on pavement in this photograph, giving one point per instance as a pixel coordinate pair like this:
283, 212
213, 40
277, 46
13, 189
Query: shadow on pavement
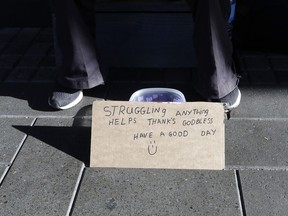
36, 94
74, 141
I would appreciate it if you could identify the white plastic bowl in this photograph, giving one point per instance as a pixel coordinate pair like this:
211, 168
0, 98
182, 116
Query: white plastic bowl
158, 95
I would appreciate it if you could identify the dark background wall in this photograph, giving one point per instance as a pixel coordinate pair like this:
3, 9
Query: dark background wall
259, 23
25, 13
262, 24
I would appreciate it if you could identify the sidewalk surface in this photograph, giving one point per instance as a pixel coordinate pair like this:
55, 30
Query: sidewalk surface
44, 153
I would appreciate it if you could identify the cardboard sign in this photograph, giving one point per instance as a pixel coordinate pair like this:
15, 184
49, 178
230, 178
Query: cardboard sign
158, 135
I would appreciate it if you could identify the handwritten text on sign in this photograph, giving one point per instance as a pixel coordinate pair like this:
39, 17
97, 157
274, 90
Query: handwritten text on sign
157, 135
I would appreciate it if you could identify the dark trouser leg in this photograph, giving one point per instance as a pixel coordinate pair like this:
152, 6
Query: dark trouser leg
215, 76
80, 68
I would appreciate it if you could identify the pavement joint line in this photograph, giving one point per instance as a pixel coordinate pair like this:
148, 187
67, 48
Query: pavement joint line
4, 174
76, 190
259, 118
240, 193
257, 168
16, 116
10, 40
89, 117
15, 155
43, 116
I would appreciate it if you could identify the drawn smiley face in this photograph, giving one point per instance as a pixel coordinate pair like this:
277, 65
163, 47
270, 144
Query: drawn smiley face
152, 148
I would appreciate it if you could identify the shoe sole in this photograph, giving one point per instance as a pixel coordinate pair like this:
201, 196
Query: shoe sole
236, 104
72, 104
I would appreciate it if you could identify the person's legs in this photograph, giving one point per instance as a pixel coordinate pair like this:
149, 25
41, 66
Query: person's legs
79, 69
215, 76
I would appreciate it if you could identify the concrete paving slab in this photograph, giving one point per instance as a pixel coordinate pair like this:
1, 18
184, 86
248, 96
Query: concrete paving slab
43, 177
21, 42
3, 73
30, 61
10, 137
48, 61
45, 74
256, 143
6, 34
45, 35
157, 192
262, 102
265, 192
40, 48
9, 61
257, 62
282, 77
75, 134
31, 99
262, 77
20, 74
279, 63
